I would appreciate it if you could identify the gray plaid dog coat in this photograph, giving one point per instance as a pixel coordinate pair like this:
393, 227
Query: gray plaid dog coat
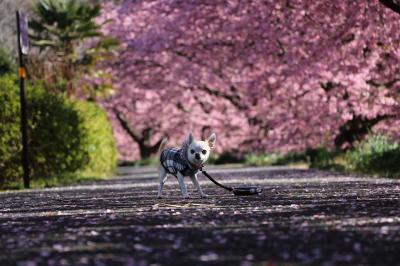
175, 160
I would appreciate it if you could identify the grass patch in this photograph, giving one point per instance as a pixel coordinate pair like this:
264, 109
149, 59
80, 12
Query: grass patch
271, 159
64, 180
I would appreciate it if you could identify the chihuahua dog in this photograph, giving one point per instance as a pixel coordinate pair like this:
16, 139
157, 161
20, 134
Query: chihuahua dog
184, 161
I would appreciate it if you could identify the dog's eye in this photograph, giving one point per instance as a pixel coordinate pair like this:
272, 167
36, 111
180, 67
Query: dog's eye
191, 151
204, 152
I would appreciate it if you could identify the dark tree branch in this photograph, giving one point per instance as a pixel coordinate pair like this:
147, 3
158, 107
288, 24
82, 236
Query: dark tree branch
236, 101
388, 84
205, 107
233, 99
391, 4
185, 55
282, 50
356, 129
143, 140
153, 149
181, 107
125, 125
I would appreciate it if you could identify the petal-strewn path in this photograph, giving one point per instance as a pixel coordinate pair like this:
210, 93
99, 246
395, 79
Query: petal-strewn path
304, 216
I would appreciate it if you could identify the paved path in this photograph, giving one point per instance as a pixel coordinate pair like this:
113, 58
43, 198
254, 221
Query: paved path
304, 216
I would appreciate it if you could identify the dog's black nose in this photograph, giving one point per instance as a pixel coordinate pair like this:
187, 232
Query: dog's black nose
197, 156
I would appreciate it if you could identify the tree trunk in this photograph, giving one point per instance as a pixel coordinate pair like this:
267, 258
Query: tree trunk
356, 129
142, 139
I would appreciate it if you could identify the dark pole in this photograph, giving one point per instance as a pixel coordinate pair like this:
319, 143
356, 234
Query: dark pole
24, 124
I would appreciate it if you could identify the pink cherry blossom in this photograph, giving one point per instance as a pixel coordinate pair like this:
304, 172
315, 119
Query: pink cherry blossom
264, 75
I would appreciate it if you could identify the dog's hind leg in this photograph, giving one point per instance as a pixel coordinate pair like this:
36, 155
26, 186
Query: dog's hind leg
163, 175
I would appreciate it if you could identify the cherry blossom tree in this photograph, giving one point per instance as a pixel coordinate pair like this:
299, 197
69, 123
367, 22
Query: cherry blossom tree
264, 75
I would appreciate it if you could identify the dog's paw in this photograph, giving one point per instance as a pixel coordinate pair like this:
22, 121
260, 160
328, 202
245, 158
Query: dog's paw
159, 197
204, 195
186, 196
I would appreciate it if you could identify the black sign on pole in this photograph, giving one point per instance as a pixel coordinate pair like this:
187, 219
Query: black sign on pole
23, 46
23, 37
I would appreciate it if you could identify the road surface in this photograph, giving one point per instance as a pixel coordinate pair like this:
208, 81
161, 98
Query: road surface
304, 216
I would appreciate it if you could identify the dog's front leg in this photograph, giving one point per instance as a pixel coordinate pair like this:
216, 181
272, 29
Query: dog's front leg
182, 185
197, 185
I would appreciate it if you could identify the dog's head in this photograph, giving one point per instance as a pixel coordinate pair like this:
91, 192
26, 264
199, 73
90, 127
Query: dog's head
198, 150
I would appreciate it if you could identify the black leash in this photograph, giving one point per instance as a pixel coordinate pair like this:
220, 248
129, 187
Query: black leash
204, 173
214, 181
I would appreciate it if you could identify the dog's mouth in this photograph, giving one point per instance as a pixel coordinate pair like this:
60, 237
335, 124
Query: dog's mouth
197, 163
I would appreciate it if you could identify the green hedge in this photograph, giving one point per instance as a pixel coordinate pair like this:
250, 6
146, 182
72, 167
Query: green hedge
65, 137
9, 131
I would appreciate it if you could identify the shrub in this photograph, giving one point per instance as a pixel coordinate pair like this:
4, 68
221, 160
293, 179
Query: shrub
376, 154
65, 137
6, 64
292, 158
98, 142
55, 136
226, 158
320, 157
10, 147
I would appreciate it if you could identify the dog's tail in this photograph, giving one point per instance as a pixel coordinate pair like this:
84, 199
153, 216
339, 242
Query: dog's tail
162, 146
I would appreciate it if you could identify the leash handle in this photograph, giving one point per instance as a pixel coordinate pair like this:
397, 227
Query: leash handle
215, 182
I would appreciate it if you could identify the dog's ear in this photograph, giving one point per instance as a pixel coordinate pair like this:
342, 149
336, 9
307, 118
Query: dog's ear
190, 138
211, 140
